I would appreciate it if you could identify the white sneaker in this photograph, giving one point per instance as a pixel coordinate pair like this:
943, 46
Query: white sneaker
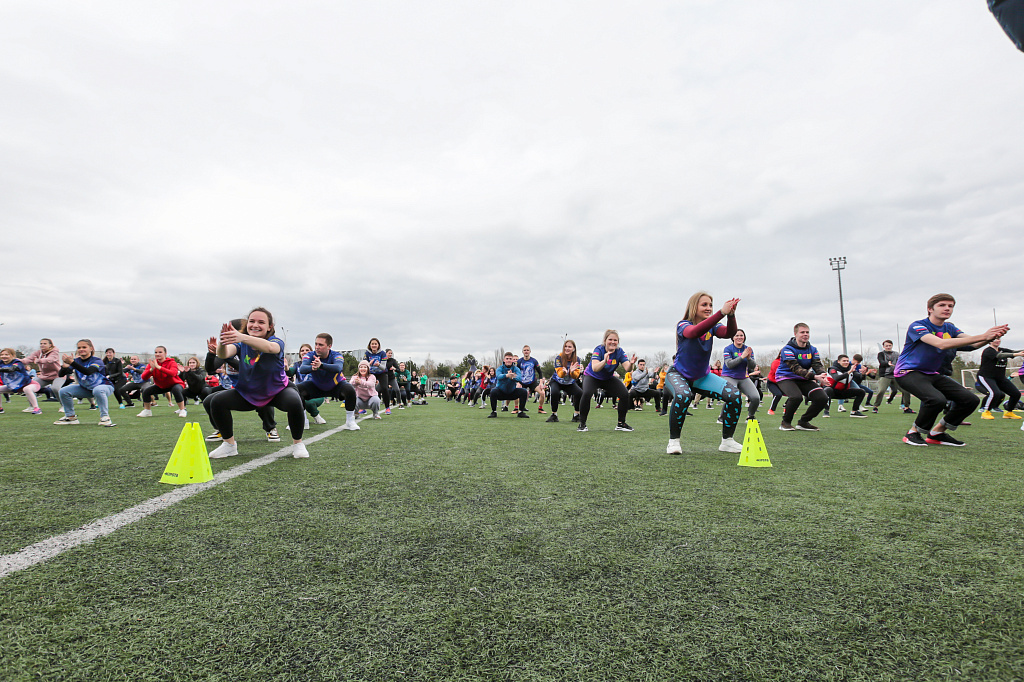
28, 409
299, 451
225, 449
319, 420
145, 413
305, 424
351, 426
182, 413
674, 448
842, 408
105, 421
730, 445
61, 410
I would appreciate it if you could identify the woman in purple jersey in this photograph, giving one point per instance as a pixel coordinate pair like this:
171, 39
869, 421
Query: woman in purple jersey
600, 373
692, 374
261, 381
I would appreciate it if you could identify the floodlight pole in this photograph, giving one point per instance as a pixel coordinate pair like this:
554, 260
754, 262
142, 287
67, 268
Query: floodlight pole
839, 264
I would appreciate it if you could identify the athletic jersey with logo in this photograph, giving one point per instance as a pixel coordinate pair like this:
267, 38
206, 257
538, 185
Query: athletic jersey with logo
380, 357
530, 369
564, 380
918, 356
731, 352
805, 357
614, 359
91, 381
693, 356
324, 378
14, 375
261, 375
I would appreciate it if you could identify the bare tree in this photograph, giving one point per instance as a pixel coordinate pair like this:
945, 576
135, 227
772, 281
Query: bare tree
499, 356
429, 367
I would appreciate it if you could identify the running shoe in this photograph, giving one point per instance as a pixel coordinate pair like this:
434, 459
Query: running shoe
786, 426
718, 421
801, 425
121, 406
1010, 415
492, 415
504, 408
387, 411
27, 409
145, 413
575, 418
552, 418
662, 414
825, 414
319, 420
987, 415
299, 451
771, 411
943, 439
623, 426
105, 421
914, 438
182, 413
93, 407
523, 415
842, 408
581, 428
225, 449
401, 407
37, 411
351, 425
215, 436
730, 445
874, 410
63, 421
858, 413
907, 410
273, 437
540, 410
674, 448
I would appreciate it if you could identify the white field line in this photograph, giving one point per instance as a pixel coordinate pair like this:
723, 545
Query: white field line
51, 547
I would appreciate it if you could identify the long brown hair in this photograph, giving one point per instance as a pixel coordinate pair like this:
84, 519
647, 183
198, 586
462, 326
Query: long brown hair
568, 360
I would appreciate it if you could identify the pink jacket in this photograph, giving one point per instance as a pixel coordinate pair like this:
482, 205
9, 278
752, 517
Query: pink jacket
48, 364
365, 388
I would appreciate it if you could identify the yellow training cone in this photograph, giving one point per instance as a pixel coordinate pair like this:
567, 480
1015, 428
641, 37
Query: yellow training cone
189, 462
754, 453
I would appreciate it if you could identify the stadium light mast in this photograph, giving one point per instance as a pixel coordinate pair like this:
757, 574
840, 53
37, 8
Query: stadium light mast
839, 264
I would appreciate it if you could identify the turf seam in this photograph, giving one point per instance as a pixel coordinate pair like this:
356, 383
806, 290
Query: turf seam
51, 547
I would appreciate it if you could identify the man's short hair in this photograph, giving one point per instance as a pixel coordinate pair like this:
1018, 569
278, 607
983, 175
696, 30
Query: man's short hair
326, 337
841, 356
509, 354
887, 341
800, 325
938, 298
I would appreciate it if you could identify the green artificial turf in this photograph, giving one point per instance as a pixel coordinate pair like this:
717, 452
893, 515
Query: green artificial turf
437, 544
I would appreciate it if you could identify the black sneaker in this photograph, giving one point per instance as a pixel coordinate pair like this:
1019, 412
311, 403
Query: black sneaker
575, 418
504, 408
914, 438
805, 426
786, 426
907, 410
662, 414
623, 426
942, 439
581, 428
858, 413
874, 410
552, 418
523, 415
825, 414
492, 415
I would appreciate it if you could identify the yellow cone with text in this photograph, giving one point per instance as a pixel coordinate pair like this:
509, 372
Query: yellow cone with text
189, 461
754, 453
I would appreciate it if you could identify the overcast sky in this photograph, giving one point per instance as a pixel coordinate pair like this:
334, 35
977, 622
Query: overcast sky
460, 176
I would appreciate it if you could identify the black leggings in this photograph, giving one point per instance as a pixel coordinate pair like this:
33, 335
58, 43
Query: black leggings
383, 388
343, 391
995, 389
222, 404
777, 394
519, 394
132, 390
642, 396
265, 413
174, 390
612, 387
555, 391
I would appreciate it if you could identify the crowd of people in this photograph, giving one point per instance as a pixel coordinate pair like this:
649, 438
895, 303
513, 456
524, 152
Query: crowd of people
246, 369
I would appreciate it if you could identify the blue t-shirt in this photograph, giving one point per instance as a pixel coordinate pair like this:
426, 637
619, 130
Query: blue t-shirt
380, 357
95, 379
325, 378
14, 375
731, 352
918, 356
261, 375
693, 356
530, 369
805, 357
613, 360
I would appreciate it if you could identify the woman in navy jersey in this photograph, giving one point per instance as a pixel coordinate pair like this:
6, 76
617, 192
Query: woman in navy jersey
377, 358
739, 363
600, 374
261, 381
692, 374
567, 371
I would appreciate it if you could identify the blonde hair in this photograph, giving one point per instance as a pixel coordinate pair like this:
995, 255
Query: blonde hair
691, 305
607, 333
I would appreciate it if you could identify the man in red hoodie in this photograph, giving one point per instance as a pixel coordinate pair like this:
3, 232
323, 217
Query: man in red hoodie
164, 373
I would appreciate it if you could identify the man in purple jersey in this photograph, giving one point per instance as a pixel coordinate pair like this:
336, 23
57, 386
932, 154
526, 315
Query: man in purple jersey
917, 370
